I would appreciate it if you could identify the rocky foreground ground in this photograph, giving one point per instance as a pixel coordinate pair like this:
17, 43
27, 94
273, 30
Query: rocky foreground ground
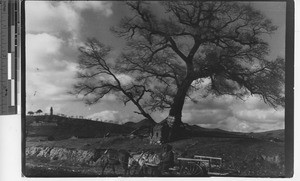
77, 157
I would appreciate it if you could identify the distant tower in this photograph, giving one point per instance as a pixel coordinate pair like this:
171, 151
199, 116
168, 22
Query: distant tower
51, 111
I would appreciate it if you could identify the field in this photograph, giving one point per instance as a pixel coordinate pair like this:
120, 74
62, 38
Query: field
59, 153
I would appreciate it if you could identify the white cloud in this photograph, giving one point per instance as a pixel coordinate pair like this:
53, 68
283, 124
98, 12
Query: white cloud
109, 97
105, 116
260, 116
40, 47
233, 124
229, 113
205, 116
48, 77
124, 79
111, 116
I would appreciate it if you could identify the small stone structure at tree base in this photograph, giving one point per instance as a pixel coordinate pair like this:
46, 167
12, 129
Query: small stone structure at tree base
161, 131
158, 135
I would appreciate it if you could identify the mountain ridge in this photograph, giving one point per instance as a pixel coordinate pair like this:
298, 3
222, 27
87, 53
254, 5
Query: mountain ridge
65, 127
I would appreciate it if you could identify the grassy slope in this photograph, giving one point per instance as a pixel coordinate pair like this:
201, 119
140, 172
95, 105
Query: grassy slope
278, 134
69, 127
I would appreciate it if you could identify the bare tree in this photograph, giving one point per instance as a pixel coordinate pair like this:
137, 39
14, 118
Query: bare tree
195, 40
30, 113
97, 77
39, 111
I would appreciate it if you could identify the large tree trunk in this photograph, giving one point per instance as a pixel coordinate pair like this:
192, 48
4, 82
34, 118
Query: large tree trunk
176, 109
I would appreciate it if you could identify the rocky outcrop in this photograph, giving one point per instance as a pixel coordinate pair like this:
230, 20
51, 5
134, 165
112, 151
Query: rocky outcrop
274, 159
72, 155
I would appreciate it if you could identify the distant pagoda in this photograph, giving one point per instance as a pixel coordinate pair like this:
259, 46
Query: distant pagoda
51, 111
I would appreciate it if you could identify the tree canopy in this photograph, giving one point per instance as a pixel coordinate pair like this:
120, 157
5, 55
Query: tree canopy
30, 113
222, 41
39, 111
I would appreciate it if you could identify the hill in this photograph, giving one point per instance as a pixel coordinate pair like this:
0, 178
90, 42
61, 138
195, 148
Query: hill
274, 135
145, 123
130, 124
195, 130
142, 123
58, 127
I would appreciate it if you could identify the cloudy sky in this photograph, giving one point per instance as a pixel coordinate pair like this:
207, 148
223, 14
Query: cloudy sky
54, 30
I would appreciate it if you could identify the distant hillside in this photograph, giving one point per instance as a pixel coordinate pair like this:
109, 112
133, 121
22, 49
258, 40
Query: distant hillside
274, 135
195, 130
142, 128
142, 123
62, 127
130, 124
192, 130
